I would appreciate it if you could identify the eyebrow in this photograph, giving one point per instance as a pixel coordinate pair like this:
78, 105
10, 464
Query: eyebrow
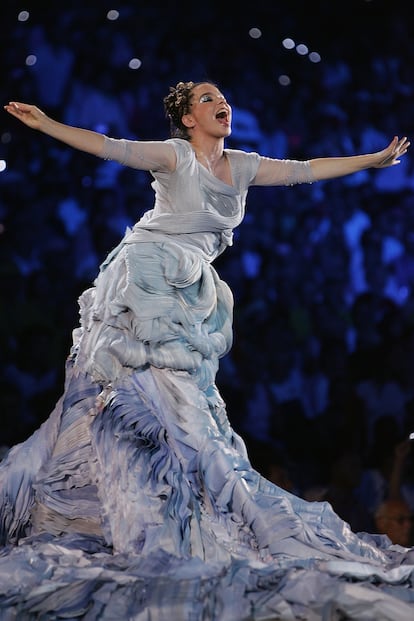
212, 93
218, 94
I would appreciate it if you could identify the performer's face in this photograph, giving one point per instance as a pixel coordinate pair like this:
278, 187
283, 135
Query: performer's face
209, 111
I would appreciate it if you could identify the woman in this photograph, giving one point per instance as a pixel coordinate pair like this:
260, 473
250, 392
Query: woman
139, 454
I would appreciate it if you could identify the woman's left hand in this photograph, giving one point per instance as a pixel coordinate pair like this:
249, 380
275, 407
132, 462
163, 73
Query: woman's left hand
391, 154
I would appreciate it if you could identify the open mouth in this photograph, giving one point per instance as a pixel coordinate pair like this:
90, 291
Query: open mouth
223, 116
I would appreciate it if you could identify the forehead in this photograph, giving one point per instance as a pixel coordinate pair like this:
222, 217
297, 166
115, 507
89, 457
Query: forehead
397, 511
206, 87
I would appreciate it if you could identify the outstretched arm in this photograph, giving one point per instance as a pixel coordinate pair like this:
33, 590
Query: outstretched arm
287, 172
396, 475
146, 155
330, 167
82, 139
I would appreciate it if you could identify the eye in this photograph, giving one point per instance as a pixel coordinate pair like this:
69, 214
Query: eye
205, 98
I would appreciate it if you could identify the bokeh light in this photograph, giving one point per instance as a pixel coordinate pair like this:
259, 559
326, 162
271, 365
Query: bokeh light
23, 16
255, 33
112, 15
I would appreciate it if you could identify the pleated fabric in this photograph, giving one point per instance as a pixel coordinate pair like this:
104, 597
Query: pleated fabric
136, 499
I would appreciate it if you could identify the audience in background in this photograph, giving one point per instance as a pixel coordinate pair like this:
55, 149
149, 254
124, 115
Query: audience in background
324, 274
394, 518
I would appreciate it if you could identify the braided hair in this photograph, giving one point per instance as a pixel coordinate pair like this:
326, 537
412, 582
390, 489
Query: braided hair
176, 105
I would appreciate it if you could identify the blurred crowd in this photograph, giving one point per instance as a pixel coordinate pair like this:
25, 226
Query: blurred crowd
319, 380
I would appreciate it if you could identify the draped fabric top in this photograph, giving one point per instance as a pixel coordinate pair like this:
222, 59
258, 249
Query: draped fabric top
195, 204
162, 284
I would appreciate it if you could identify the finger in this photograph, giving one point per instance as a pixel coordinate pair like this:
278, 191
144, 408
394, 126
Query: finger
13, 108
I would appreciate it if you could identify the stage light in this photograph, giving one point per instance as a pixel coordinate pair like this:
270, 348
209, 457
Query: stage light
288, 43
31, 60
23, 16
255, 33
314, 57
134, 63
302, 49
112, 15
284, 80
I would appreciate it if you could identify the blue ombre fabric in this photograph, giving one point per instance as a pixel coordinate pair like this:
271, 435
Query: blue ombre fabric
136, 499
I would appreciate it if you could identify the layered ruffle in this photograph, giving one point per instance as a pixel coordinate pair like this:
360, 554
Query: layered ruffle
158, 304
137, 500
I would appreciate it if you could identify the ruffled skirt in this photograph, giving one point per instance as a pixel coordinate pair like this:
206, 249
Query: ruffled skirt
136, 499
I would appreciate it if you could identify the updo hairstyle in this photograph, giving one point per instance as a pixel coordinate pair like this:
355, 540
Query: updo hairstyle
176, 105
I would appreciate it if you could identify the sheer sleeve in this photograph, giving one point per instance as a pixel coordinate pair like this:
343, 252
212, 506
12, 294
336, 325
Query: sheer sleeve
144, 155
283, 172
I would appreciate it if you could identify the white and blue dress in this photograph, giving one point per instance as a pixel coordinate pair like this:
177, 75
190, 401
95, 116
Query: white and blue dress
136, 499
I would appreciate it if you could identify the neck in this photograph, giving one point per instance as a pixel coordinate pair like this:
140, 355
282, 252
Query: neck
211, 155
209, 150
208, 145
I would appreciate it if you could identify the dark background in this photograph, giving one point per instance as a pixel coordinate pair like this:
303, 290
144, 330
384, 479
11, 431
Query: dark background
322, 275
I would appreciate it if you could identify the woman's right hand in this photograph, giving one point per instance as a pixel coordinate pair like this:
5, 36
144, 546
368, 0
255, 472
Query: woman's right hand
28, 114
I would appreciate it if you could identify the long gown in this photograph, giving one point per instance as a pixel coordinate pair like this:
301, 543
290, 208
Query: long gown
136, 499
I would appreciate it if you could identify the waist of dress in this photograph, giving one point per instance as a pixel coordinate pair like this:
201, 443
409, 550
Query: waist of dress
193, 222
207, 245
185, 229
